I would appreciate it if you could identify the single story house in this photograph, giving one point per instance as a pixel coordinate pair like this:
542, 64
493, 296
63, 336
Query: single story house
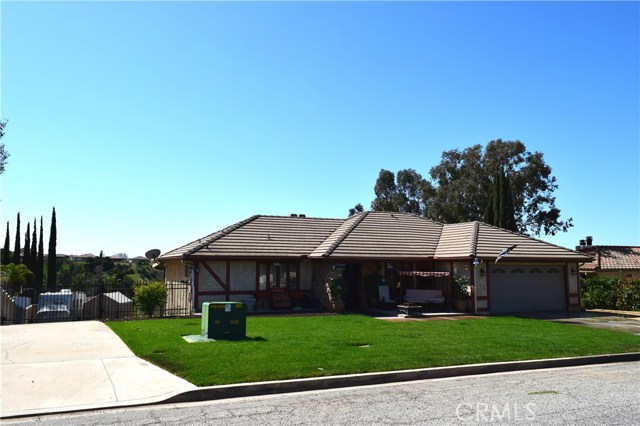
284, 261
611, 261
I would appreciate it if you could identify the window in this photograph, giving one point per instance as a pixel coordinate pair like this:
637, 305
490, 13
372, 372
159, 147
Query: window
262, 277
276, 274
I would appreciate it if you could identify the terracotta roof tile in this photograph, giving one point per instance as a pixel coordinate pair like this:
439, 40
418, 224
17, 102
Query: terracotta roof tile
612, 258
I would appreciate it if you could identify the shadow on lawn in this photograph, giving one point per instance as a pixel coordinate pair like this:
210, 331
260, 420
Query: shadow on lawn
253, 339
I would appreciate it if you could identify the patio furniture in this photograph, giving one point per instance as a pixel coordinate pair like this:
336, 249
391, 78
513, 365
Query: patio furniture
410, 309
383, 294
424, 296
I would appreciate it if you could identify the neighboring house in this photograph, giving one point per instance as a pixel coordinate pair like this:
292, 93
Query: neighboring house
270, 257
611, 261
82, 257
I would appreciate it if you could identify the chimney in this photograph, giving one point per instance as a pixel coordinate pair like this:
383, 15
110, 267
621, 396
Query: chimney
302, 215
589, 239
293, 215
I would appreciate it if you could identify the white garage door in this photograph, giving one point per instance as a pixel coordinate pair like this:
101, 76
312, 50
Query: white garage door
526, 288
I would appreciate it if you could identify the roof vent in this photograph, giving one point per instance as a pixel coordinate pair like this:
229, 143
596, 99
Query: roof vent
302, 215
293, 215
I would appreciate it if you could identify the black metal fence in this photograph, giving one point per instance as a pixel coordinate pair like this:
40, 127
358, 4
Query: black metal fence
90, 301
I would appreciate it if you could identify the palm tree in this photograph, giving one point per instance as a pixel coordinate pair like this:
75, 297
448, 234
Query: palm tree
15, 276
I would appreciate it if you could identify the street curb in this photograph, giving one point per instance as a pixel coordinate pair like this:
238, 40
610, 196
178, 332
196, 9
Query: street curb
332, 382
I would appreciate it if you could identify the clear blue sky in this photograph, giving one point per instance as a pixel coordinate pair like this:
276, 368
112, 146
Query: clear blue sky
148, 125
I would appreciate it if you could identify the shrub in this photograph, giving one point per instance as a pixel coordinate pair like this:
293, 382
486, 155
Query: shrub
149, 297
337, 289
611, 293
629, 295
599, 293
460, 287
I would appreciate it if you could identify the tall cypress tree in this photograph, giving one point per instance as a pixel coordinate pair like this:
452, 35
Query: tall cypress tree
26, 255
16, 246
500, 209
40, 261
502, 215
51, 259
6, 253
507, 208
492, 212
33, 261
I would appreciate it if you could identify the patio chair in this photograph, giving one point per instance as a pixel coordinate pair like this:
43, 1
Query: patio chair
383, 294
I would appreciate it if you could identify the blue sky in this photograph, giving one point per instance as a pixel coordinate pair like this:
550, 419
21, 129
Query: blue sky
148, 125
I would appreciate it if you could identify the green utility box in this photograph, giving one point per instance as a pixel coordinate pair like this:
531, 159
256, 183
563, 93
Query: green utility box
224, 320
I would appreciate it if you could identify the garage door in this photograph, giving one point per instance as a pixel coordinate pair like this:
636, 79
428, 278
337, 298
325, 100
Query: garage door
526, 288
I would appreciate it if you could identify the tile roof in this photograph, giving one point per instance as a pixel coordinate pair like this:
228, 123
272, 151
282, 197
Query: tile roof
368, 235
386, 235
492, 240
612, 258
262, 236
458, 240
327, 247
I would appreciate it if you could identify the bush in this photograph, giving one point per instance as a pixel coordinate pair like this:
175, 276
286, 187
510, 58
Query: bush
599, 293
629, 295
149, 297
611, 293
337, 289
460, 287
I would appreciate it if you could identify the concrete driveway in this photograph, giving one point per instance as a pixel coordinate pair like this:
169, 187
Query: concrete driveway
626, 322
57, 367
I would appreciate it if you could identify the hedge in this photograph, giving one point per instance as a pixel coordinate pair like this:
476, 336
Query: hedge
611, 293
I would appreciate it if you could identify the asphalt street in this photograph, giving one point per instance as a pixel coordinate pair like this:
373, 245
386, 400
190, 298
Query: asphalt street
607, 394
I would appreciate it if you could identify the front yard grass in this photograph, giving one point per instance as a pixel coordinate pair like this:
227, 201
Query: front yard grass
280, 348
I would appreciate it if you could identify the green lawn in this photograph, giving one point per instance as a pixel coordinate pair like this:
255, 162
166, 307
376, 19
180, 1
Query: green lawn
293, 347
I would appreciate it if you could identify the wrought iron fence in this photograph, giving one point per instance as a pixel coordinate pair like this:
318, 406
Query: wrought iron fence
89, 301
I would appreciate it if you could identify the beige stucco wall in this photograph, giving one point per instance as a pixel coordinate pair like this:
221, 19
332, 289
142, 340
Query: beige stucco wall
206, 282
481, 282
175, 271
573, 281
243, 276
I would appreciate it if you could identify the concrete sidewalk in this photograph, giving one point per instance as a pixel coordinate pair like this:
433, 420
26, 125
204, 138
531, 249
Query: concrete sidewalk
69, 366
